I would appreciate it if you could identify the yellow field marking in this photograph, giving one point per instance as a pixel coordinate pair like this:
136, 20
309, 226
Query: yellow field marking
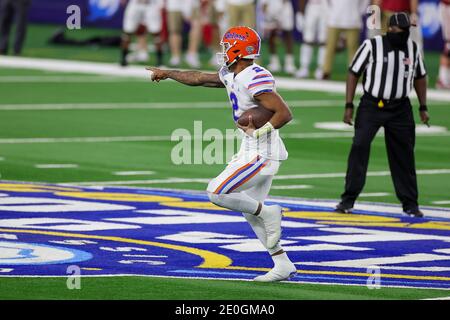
332, 216
129, 197
210, 259
23, 187
91, 269
361, 220
321, 217
193, 205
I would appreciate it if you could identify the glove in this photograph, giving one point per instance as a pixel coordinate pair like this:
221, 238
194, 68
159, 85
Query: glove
299, 21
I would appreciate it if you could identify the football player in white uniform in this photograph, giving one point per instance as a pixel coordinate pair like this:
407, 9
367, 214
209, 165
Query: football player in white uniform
312, 23
279, 16
148, 13
245, 183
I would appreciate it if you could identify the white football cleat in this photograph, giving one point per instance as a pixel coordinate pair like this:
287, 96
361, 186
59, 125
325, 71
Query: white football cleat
271, 217
302, 73
278, 273
318, 74
174, 61
274, 65
290, 68
193, 61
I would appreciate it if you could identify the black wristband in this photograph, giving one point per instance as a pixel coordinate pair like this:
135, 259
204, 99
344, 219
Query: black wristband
349, 105
423, 108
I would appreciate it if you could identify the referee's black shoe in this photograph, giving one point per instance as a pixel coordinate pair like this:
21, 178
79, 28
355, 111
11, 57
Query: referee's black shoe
414, 213
341, 208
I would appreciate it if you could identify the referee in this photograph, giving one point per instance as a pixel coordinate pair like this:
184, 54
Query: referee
391, 66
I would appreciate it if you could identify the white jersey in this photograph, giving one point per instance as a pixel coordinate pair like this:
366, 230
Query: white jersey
147, 12
241, 89
278, 14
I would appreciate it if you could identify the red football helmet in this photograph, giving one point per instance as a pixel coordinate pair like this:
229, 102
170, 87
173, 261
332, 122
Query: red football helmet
239, 43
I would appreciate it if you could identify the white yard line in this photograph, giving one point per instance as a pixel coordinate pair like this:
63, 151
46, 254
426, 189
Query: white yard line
112, 69
137, 182
154, 105
342, 174
292, 187
441, 202
84, 139
279, 177
306, 135
133, 173
374, 194
65, 79
56, 166
163, 105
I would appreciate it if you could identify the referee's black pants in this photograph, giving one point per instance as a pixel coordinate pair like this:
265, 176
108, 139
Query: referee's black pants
399, 127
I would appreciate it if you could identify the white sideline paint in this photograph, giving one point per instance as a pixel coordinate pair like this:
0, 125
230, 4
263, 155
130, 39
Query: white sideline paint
133, 173
84, 139
374, 194
278, 177
154, 105
292, 187
340, 126
342, 174
131, 182
441, 202
56, 166
305, 135
113, 69
66, 79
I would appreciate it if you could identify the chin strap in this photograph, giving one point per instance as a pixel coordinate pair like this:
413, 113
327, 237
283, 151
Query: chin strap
265, 129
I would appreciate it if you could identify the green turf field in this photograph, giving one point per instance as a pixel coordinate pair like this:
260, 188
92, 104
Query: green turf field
136, 288
104, 125
309, 154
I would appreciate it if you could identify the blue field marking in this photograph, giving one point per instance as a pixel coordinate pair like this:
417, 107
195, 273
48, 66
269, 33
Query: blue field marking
116, 231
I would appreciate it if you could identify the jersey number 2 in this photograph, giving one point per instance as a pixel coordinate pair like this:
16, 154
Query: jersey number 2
234, 103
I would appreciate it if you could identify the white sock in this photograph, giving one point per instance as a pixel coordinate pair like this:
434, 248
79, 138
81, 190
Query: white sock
274, 59
443, 74
289, 60
321, 57
448, 76
305, 56
238, 201
281, 259
258, 227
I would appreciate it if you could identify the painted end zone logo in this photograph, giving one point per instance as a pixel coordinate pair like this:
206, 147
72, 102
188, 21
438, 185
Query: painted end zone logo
121, 231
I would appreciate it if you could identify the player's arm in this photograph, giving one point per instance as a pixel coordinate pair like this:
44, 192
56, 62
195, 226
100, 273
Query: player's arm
282, 114
274, 102
190, 78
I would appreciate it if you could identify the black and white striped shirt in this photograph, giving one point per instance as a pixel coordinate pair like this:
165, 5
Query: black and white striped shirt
389, 73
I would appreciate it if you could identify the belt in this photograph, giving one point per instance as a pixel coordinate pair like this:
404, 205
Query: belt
384, 103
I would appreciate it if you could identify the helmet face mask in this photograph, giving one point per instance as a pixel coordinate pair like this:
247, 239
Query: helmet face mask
222, 57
